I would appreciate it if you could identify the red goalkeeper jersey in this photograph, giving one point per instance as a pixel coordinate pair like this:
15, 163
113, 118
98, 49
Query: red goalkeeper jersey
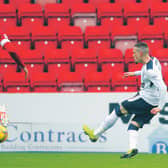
6, 44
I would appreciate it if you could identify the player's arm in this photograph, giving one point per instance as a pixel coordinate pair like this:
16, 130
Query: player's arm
159, 83
135, 73
9, 47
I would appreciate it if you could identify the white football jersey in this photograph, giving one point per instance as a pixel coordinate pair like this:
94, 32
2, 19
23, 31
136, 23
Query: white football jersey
153, 89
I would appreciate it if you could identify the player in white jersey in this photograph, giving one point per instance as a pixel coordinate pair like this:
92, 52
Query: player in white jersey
145, 105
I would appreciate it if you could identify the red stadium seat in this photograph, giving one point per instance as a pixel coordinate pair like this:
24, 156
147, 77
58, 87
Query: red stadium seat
43, 82
15, 82
128, 1
44, 2
162, 55
84, 15
98, 37
71, 82
165, 70
20, 36
17, 3
84, 60
30, 15
111, 61
71, 3
33, 60
129, 56
71, 36
97, 2
44, 37
7, 16
97, 82
159, 14
120, 84
124, 37
7, 64
152, 35
110, 14
57, 15
150, 2
137, 14
58, 60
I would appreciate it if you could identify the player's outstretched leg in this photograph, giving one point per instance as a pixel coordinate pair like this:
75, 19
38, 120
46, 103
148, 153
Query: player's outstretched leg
90, 133
129, 154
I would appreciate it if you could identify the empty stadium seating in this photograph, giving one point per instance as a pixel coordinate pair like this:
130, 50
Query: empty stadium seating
120, 84
44, 37
111, 61
97, 82
84, 60
153, 35
137, 14
159, 14
8, 17
30, 15
97, 37
20, 36
7, 64
57, 15
110, 14
57, 60
84, 15
33, 60
70, 82
43, 82
17, 3
70, 37
124, 37
15, 82
80, 45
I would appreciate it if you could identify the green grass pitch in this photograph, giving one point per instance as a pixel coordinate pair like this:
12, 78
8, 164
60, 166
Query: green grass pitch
81, 160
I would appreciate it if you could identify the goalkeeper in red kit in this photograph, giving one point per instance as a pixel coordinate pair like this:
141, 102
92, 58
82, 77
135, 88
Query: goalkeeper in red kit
7, 45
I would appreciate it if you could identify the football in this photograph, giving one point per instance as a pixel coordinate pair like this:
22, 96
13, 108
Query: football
3, 133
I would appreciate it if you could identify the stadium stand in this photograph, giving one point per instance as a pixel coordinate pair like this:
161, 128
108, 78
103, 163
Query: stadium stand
44, 37
43, 82
7, 64
30, 15
110, 15
70, 36
84, 15
111, 61
8, 17
70, 82
98, 37
97, 82
57, 15
84, 60
15, 82
20, 36
80, 45
57, 60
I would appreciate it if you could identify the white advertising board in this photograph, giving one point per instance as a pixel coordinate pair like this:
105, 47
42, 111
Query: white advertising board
53, 122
